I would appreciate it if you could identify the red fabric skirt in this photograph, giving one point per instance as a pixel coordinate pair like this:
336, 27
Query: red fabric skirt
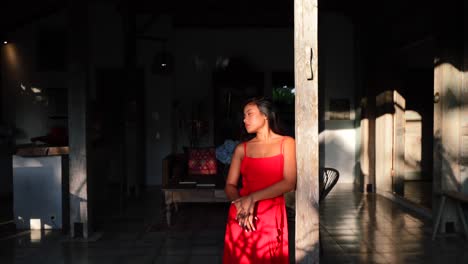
267, 244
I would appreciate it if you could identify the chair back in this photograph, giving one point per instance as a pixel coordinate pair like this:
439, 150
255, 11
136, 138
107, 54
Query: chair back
328, 177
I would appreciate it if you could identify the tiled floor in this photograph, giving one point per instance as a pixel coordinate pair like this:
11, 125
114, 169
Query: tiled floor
358, 228
355, 228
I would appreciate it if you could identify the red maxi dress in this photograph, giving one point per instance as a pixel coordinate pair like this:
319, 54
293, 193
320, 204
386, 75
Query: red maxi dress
269, 243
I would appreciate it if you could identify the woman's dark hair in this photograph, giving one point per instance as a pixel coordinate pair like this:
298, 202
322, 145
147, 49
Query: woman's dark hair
268, 108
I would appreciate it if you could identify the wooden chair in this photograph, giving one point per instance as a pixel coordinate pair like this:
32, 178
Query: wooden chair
328, 177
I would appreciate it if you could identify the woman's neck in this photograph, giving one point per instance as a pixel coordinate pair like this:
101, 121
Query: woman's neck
265, 135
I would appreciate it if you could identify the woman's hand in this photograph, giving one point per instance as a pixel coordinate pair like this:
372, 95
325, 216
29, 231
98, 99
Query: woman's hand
245, 212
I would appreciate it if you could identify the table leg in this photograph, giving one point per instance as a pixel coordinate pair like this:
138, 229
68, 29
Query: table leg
168, 214
439, 215
462, 218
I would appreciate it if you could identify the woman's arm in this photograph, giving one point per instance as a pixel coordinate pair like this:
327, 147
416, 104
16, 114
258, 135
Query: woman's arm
234, 173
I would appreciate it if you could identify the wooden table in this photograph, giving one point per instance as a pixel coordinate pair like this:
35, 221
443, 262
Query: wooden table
185, 194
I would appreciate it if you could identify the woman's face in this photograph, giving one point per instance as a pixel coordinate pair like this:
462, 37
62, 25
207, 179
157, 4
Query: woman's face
253, 118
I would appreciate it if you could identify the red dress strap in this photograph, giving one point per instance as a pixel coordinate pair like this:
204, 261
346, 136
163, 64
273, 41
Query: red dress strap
245, 149
282, 140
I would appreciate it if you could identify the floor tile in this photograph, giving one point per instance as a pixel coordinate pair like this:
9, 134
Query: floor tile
354, 228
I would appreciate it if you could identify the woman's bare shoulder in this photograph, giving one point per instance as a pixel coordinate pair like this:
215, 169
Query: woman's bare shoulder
239, 146
239, 150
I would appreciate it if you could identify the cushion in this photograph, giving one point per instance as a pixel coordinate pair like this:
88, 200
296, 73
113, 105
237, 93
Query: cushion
202, 161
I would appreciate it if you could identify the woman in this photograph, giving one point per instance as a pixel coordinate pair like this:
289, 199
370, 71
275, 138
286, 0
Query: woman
256, 230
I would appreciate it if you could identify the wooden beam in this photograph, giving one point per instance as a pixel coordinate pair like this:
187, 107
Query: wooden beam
18, 16
306, 83
77, 98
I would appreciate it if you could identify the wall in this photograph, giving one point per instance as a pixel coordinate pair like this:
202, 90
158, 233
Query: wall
22, 112
173, 98
23, 108
339, 141
336, 62
169, 98
206, 47
338, 81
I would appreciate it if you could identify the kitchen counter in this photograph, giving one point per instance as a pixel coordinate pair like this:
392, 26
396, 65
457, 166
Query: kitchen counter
40, 187
41, 150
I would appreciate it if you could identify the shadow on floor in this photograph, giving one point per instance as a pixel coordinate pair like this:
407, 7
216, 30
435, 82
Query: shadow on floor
355, 228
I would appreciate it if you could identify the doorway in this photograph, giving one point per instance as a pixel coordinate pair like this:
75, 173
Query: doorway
417, 87
419, 115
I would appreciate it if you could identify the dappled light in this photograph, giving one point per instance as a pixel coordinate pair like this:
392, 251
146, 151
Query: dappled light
306, 252
305, 229
417, 176
345, 136
383, 152
363, 172
413, 134
448, 167
266, 244
449, 133
338, 146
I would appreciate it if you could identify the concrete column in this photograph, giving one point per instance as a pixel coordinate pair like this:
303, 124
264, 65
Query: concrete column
367, 146
450, 119
464, 100
77, 122
389, 142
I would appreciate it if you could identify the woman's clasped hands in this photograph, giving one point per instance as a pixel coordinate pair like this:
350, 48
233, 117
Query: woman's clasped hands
245, 212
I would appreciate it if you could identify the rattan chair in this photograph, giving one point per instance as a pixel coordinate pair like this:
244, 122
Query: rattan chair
328, 177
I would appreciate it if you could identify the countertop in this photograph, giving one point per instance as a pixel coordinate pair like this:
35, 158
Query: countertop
41, 150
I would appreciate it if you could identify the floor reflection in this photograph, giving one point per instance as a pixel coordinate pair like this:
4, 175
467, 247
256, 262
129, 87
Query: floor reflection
359, 228
355, 228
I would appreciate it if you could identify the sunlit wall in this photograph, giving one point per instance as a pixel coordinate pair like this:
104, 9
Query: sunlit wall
337, 90
339, 149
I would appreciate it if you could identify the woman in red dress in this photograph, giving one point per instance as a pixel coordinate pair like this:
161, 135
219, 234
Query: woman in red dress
257, 229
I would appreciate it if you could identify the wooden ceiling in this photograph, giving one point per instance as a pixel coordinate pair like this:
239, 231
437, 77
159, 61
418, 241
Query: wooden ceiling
400, 20
15, 14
